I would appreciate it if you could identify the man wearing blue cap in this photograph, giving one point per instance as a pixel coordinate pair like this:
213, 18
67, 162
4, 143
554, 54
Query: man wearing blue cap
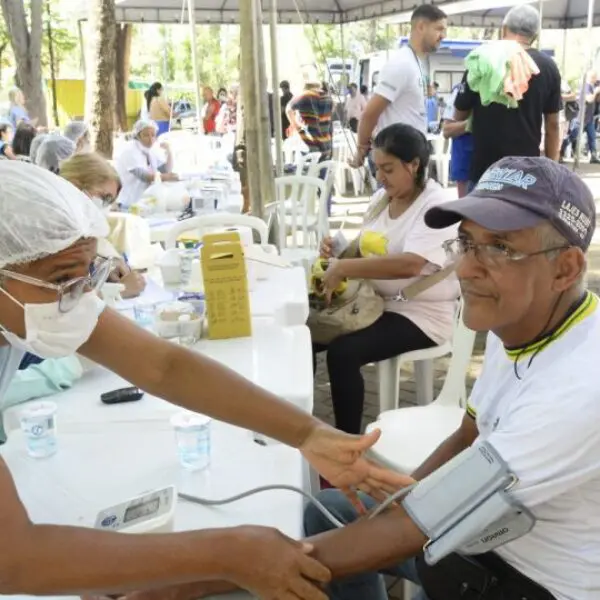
521, 260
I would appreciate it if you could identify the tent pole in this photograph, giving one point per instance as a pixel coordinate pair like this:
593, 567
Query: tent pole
590, 28
344, 83
278, 125
192, 20
265, 157
248, 100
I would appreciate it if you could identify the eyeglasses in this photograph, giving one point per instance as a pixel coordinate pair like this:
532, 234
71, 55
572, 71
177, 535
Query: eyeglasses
106, 199
490, 255
70, 292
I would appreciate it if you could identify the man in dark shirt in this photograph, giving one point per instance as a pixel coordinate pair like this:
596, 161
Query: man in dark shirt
499, 131
286, 98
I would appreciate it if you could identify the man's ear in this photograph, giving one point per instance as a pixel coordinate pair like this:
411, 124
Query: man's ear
570, 267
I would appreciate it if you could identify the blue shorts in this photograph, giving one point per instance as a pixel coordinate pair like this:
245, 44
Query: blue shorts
460, 157
163, 127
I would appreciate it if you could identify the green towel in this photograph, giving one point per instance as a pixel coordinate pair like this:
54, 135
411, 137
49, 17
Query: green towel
487, 67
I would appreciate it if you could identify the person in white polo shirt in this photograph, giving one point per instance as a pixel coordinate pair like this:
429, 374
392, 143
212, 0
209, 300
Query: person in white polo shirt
520, 256
399, 96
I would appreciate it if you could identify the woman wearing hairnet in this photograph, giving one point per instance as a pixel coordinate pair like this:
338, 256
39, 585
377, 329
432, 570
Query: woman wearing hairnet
48, 307
140, 162
79, 133
52, 151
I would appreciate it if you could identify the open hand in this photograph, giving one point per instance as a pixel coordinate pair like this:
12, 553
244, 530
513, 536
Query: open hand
382, 482
338, 456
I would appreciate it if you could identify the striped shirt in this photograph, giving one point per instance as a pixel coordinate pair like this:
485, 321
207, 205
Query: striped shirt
315, 108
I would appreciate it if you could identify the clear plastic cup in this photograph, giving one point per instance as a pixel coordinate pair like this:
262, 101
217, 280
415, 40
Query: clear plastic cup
192, 433
38, 422
144, 315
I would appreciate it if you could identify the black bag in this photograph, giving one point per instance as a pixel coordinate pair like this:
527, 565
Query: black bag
482, 577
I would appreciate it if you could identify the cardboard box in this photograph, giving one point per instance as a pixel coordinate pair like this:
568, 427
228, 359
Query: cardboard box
225, 286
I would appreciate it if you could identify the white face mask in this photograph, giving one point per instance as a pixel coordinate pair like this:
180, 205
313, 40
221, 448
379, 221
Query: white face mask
52, 334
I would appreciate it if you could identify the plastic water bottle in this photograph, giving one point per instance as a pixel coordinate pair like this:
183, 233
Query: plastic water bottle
38, 422
192, 433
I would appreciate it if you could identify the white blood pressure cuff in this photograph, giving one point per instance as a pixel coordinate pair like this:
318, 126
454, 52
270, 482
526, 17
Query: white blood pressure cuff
466, 506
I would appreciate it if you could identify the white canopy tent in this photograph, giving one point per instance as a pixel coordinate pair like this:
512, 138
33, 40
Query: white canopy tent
227, 11
559, 14
556, 14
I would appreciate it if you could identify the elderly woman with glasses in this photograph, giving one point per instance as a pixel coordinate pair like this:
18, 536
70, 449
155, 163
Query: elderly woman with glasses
99, 181
49, 308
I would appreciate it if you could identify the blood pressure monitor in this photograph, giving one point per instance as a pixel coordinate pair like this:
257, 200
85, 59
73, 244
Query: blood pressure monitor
153, 512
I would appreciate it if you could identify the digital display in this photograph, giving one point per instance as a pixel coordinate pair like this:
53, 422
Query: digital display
145, 509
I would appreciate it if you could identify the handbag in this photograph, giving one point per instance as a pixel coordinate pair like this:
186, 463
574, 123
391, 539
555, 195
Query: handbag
359, 306
481, 577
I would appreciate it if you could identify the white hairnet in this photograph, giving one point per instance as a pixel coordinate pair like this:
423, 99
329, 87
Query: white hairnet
42, 214
76, 129
143, 124
53, 150
35, 145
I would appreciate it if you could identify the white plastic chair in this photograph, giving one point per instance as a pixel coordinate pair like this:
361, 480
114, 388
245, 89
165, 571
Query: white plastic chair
307, 162
344, 147
293, 148
329, 179
302, 217
441, 158
202, 223
389, 372
410, 435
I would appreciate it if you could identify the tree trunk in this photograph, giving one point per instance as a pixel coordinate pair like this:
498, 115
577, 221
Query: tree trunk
100, 80
2, 51
53, 66
122, 73
26, 43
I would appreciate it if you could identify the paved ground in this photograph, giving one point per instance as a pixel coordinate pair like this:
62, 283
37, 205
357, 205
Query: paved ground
350, 210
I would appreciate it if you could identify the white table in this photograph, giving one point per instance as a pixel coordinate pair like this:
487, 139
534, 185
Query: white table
110, 453
284, 291
98, 465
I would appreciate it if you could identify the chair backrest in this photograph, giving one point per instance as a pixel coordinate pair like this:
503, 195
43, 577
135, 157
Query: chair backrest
454, 391
293, 148
328, 177
204, 222
310, 160
299, 199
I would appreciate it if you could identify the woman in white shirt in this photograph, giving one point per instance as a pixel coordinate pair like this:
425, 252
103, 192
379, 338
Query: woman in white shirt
140, 162
394, 249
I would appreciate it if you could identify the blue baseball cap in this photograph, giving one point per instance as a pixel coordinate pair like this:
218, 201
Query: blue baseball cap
521, 192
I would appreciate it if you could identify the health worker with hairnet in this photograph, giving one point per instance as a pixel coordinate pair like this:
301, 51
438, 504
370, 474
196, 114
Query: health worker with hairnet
142, 163
52, 151
49, 307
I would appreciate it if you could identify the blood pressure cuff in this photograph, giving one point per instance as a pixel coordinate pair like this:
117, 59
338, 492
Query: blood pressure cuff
466, 505
483, 577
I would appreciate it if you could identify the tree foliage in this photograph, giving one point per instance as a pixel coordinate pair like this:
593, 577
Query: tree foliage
64, 42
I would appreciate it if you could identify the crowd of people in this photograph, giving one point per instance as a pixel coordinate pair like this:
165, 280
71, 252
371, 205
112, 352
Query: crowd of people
518, 238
